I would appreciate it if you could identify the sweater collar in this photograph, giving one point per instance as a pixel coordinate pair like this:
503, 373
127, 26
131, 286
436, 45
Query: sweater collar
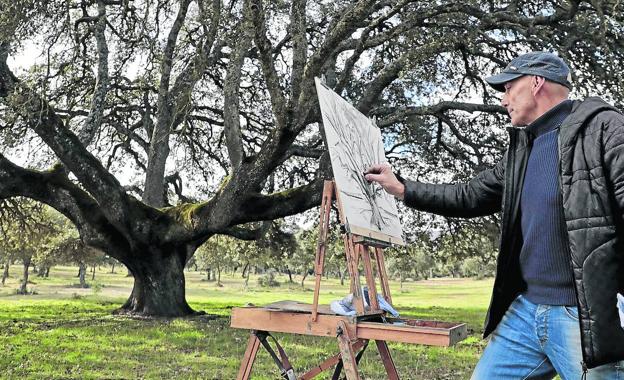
550, 120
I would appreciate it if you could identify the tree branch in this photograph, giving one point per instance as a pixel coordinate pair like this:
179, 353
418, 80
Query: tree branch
103, 186
361, 45
398, 115
94, 120
54, 189
279, 205
246, 233
159, 142
231, 110
278, 102
342, 26
304, 151
381, 81
300, 48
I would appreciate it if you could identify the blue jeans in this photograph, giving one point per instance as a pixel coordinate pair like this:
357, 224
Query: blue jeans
537, 342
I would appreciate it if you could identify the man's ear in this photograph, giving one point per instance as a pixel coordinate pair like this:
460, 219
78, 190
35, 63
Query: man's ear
537, 83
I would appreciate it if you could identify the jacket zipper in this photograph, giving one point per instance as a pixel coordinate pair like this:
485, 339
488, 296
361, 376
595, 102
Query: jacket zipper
562, 214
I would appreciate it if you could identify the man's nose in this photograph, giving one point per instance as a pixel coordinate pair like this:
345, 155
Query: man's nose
504, 101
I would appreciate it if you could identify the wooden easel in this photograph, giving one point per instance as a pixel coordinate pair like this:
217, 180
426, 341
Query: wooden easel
353, 333
356, 248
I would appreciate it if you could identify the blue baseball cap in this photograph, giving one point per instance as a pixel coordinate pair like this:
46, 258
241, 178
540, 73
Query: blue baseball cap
540, 63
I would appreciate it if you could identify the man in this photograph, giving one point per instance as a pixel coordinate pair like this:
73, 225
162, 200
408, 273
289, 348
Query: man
560, 187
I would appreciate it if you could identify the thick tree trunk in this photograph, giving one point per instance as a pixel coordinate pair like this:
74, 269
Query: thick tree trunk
93, 274
245, 268
159, 286
5, 273
290, 279
113, 267
23, 289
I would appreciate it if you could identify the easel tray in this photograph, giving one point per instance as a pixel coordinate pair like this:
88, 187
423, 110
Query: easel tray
370, 327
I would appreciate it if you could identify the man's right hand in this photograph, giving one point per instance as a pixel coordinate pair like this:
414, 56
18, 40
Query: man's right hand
383, 175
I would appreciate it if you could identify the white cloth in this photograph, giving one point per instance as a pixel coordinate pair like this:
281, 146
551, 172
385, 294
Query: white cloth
345, 305
620, 305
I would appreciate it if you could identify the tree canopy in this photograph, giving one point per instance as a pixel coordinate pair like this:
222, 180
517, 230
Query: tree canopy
158, 124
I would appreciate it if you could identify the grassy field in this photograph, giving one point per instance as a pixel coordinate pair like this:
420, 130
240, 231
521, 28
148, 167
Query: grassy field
65, 332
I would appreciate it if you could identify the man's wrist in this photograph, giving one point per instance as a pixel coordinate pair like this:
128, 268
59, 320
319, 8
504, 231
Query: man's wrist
400, 193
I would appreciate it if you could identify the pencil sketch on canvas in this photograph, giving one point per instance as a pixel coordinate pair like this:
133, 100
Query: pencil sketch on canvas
355, 143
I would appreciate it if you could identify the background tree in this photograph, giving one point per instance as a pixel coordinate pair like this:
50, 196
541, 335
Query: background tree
215, 255
278, 246
25, 228
132, 100
303, 260
467, 249
416, 261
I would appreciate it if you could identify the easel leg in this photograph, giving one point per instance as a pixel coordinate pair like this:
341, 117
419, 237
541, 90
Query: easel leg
383, 274
335, 360
370, 277
248, 359
328, 191
346, 353
339, 365
384, 352
351, 250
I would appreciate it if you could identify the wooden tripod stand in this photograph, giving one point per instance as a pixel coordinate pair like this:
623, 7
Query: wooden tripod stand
353, 332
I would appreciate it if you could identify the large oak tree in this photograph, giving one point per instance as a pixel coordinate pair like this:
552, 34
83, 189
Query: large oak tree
219, 96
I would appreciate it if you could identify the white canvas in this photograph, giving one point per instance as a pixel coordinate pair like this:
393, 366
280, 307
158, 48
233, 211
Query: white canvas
355, 143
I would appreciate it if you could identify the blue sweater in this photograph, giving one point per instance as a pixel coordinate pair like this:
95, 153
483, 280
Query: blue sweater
545, 257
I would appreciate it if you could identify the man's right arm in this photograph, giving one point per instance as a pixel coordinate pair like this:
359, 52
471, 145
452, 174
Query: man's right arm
480, 196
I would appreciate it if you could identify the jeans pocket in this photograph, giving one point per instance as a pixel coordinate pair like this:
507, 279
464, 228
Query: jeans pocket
619, 369
572, 312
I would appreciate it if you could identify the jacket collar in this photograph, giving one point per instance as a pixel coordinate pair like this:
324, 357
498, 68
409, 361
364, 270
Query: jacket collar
550, 120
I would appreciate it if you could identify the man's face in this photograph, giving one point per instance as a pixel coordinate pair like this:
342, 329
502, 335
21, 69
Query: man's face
520, 101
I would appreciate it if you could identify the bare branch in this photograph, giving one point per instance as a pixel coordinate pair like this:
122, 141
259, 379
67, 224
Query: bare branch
94, 120
342, 26
385, 77
300, 48
398, 115
278, 102
361, 46
159, 142
47, 124
167, 62
231, 110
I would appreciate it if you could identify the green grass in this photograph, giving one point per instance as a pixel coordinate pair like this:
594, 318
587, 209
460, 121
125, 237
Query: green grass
64, 332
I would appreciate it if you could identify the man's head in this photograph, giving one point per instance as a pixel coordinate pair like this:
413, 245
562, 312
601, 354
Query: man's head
533, 83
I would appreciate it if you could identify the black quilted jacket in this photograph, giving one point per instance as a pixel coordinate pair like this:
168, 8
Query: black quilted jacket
591, 151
